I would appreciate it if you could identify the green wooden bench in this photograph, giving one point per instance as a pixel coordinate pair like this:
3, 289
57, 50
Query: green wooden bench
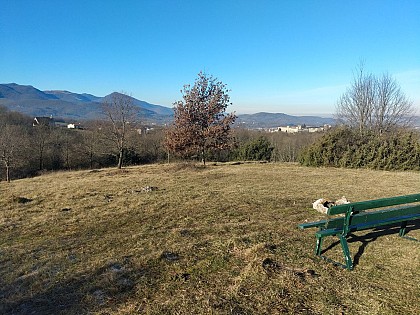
356, 216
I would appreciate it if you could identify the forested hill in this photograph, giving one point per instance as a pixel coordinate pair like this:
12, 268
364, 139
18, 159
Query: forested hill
29, 100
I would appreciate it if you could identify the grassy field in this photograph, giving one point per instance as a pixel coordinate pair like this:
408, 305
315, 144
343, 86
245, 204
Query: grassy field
216, 240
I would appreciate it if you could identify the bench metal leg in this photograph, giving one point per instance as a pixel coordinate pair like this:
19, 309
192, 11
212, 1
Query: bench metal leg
346, 252
318, 246
402, 229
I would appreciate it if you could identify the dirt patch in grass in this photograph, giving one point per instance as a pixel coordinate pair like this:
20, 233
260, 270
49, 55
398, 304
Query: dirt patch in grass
20, 200
210, 240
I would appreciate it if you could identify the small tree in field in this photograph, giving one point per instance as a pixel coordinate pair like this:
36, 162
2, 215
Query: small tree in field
13, 141
120, 112
201, 122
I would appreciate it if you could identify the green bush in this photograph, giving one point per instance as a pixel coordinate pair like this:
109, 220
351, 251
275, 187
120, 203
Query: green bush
258, 149
345, 147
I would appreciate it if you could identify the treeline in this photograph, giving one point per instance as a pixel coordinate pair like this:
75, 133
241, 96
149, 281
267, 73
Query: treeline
27, 150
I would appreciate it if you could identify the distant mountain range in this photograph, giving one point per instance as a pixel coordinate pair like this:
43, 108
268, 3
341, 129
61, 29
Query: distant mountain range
71, 106
68, 105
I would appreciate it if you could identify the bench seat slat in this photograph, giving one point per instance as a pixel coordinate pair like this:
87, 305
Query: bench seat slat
373, 204
366, 217
367, 225
363, 217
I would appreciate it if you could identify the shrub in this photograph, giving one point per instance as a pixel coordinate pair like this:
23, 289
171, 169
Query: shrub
258, 149
346, 147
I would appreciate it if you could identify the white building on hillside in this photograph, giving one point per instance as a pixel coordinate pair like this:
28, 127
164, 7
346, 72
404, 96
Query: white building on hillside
300, 128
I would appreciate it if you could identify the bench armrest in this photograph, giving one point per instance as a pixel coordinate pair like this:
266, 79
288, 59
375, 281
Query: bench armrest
309, 225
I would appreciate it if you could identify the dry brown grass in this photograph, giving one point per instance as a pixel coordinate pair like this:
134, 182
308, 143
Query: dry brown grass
216, 240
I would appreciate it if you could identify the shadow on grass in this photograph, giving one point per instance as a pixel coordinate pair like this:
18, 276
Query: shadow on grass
373, 236
107, 287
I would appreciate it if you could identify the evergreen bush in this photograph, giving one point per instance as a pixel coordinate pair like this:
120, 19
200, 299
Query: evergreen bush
346, 147
258, 149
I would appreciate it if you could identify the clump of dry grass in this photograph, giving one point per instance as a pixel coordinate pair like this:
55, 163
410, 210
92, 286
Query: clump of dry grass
216, 240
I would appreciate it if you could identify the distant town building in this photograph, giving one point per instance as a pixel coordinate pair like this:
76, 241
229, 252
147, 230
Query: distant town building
299, 128
74, 126
43, 121
144, 130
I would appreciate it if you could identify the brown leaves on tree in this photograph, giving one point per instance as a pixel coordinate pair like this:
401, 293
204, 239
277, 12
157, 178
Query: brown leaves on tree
201, 122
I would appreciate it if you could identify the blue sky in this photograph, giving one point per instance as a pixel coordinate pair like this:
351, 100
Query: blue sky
294, 57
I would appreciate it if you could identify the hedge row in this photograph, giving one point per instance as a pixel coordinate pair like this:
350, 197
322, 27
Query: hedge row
345, 147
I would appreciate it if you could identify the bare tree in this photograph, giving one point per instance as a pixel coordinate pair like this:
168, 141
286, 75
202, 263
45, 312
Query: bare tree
12, 142
372, 103
41, 137
90, 146
121, 113
201, 122
392, 108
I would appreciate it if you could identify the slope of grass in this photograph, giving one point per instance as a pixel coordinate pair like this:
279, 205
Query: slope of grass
216, 240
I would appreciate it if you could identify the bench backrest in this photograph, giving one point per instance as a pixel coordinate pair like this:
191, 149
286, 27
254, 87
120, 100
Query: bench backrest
373, 204
375, 218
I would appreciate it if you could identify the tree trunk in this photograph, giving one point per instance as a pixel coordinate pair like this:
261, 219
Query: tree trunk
7, 173
120, 159
41, 161
91, 159
203, 157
